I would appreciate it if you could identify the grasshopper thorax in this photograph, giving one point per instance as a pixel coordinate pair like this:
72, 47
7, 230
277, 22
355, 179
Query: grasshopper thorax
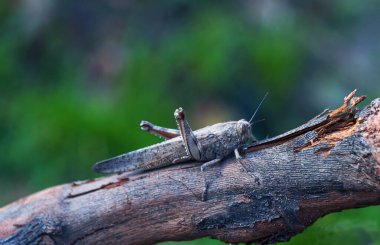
243, 128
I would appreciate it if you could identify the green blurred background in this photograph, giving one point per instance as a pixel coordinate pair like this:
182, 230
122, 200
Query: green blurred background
76, 78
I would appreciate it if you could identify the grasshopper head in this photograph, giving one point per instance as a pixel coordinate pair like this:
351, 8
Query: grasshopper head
243, 128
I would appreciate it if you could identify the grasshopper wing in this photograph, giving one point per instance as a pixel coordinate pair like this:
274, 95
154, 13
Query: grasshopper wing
151, 157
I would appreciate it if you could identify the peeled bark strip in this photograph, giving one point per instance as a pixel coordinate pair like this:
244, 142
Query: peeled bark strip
281, 186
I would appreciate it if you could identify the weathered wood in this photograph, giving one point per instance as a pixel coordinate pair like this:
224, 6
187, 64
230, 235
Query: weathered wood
281, 186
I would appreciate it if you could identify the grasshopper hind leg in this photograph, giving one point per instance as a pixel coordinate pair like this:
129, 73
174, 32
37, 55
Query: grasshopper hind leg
166, 133
192, 145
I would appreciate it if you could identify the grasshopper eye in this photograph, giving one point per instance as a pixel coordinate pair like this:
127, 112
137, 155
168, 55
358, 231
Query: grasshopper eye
243, 129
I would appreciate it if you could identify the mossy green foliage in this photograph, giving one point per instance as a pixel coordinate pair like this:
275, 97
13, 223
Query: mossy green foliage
75, 85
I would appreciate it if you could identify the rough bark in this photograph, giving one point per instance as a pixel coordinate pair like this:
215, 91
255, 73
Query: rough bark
281, 186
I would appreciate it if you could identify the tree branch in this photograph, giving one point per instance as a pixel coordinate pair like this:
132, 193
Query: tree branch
281, 186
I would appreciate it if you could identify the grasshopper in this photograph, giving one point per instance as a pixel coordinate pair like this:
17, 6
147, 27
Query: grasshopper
209, 145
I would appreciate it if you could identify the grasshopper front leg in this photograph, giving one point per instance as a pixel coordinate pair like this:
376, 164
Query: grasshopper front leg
237, 154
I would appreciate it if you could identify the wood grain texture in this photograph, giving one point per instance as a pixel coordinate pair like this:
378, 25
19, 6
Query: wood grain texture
274, 192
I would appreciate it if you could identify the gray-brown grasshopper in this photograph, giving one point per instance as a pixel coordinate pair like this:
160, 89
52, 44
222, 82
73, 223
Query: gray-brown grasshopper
209, 144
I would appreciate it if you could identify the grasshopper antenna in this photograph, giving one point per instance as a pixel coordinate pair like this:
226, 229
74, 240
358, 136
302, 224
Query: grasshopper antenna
257, 121
258, 107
